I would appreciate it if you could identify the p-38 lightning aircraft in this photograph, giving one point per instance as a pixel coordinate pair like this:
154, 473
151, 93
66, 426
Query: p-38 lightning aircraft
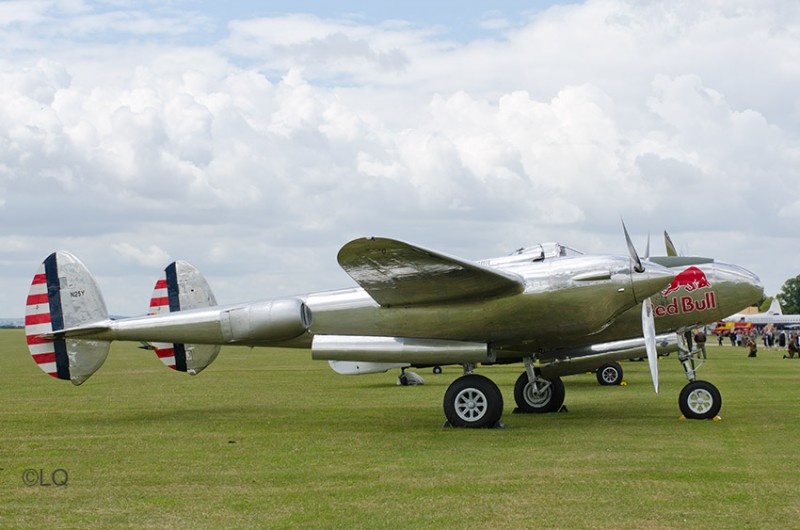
554, 309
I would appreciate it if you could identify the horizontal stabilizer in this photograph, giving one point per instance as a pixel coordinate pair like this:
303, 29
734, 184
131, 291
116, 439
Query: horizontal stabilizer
395, 273
78, 331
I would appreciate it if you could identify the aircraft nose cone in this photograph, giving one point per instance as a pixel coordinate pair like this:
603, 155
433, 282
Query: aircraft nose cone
755, 285
654, 279
742, 287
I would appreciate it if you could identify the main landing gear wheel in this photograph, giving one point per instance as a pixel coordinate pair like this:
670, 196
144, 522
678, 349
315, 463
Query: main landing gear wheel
609, 374
700, 400
473, 401
548, 398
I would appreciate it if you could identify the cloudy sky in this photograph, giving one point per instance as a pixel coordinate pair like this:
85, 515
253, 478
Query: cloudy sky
255, 138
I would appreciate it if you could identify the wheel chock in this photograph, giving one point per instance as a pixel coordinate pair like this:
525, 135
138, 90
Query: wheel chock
623, 383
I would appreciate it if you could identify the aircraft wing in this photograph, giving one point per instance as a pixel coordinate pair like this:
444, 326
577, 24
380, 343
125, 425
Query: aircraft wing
396, 273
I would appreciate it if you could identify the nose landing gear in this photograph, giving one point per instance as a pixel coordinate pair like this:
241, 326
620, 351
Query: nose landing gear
699, 400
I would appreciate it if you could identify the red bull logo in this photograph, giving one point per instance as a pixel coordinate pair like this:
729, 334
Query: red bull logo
691, 279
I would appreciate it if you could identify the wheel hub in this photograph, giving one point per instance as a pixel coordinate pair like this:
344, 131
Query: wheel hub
700, 400
537, 399
609, 375
471, 404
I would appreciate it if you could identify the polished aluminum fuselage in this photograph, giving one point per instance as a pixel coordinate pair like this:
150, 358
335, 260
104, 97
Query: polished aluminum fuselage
556, 317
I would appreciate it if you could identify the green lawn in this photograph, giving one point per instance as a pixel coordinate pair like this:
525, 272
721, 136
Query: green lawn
272, 439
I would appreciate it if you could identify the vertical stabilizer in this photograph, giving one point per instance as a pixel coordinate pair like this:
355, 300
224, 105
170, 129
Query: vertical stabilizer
182, 287
775, 308
63, 295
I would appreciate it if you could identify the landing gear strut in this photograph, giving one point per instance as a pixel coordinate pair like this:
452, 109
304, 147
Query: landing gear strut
699, 400
535, 394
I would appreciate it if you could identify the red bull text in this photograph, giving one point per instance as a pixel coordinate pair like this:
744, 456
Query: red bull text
686, 304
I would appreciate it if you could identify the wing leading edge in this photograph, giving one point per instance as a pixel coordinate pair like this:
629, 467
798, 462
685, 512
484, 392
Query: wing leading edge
396, 273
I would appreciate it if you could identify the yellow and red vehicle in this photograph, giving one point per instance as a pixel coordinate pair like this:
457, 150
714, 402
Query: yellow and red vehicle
726, 328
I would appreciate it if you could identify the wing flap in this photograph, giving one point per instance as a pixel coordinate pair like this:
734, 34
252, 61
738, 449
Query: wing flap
397, 273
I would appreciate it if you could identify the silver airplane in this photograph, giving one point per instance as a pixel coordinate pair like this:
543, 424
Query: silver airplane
556, 310
774, 315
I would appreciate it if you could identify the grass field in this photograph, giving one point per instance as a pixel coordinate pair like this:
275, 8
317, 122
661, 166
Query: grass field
273, 439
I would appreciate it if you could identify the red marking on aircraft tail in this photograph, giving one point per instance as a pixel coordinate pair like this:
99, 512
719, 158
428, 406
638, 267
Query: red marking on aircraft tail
159, 302
36, 299
691, 279
167, 355
165, 352
34, 340
41, 318
39, 322
48, 357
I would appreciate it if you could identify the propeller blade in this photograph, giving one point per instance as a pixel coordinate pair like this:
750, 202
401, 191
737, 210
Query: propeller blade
647, 248
649, 332
670, 245
638, 267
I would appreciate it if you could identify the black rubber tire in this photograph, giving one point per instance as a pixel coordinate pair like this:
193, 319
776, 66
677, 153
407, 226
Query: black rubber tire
551, 399
473, 401
609, 374
700, 400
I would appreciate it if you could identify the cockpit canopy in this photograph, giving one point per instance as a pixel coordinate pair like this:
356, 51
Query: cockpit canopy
545, 251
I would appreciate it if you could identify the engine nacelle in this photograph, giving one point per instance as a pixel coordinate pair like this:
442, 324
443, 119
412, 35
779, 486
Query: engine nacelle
270, 321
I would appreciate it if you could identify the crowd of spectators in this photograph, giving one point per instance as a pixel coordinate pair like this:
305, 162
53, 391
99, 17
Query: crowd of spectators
770, 338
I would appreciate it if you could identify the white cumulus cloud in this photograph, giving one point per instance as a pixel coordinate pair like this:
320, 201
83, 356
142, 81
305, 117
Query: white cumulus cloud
257, 147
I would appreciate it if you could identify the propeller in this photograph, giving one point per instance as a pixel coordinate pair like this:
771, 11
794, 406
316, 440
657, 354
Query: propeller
649, 331
648, 323
638, 267
670, 245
